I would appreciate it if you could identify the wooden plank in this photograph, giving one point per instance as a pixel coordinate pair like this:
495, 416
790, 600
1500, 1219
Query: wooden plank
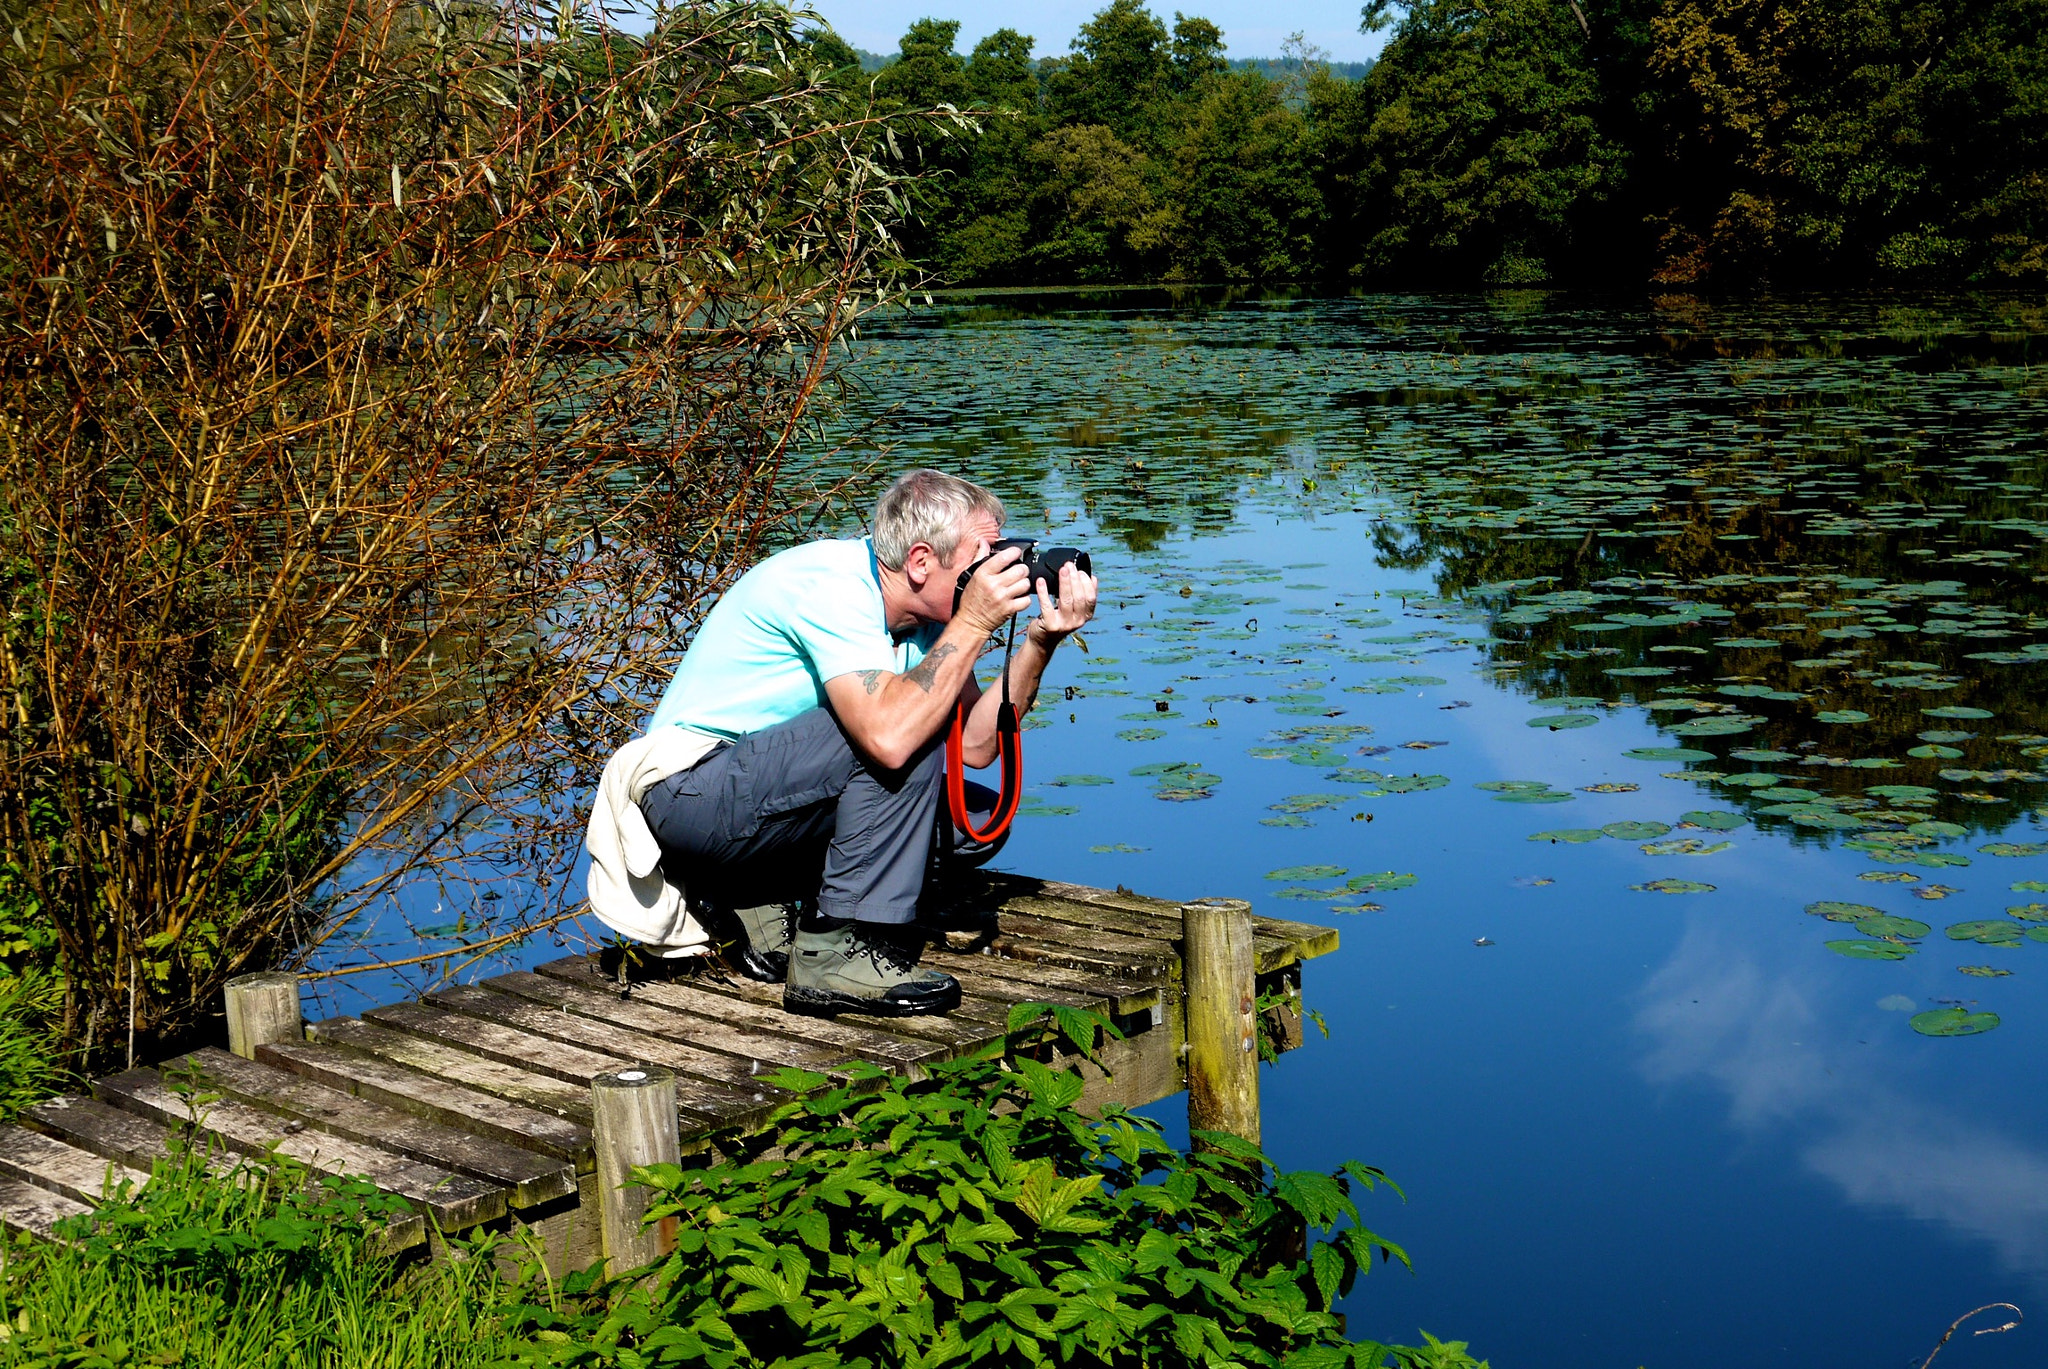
955, 1035
699, 996
454, 1201
1022, 937
1125, 996
107, 1132
436, 1061
474, 1000
437, 1099
139, 1141
25, 1207
51, 1164
528, 1178
702, 1100
1309, 939
1276, 943
637, 1015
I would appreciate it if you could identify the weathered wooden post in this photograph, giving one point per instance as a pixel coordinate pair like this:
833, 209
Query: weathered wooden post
263, 1009
1223, 1029
635, 1124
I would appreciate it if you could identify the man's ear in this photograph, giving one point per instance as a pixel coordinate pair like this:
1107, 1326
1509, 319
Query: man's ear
918, 563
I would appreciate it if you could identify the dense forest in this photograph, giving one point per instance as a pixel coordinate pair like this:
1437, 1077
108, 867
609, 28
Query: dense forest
1718, 143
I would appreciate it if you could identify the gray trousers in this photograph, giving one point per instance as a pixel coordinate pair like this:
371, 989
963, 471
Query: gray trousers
794, 812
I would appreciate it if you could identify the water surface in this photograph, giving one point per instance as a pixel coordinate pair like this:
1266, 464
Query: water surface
1394, 589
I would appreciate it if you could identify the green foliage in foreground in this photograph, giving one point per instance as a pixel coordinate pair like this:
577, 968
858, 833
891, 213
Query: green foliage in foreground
250, 1269
975, 1217
30, 1066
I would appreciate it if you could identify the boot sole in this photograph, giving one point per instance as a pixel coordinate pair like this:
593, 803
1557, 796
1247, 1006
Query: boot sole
797, 998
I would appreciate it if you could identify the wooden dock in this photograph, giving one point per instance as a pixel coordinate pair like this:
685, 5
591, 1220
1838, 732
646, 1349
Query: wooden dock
474, 1103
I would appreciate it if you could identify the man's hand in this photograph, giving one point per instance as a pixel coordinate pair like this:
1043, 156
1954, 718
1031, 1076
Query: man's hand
1055, 622
996, 593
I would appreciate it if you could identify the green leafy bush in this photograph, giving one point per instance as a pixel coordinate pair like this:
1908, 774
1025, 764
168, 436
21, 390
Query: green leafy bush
254, 1268
30, 1066
976, 1217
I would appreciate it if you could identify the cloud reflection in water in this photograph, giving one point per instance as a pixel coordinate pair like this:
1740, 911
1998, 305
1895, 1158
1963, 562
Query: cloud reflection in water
1713, 1013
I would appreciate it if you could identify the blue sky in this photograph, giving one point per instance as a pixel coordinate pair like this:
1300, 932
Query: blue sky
1251, 28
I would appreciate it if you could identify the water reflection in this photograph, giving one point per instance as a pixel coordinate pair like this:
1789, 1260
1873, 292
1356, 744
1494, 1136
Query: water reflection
1713, 1013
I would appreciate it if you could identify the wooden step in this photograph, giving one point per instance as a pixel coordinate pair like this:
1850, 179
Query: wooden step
555, 1022
64, 1169
26, 1207
435, 1060
437, 1099
454, 1201
107, 1132
701, 996
529, 1179
138, 1141
758, 1050
697, 1098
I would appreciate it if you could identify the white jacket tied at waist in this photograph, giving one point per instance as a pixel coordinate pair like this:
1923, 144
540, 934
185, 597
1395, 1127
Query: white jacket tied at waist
626, 887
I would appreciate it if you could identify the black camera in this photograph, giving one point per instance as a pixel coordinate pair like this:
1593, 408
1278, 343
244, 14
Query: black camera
1039, 564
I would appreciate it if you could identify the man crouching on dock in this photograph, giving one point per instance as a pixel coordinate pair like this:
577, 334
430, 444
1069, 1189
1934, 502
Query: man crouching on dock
793, 774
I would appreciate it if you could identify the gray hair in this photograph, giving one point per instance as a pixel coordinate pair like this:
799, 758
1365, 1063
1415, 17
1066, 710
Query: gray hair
927, 506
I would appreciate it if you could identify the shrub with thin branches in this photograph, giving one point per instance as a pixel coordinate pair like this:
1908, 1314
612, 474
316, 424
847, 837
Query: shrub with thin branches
382, 382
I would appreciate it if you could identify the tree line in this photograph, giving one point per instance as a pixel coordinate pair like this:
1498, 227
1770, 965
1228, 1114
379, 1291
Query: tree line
1699, 143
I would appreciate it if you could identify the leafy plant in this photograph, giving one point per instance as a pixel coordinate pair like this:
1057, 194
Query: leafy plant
974, 1216
256, 1267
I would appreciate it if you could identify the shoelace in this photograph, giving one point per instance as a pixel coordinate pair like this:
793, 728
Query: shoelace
886, 951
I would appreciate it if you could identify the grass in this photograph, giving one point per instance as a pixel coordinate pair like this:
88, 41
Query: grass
258, 1269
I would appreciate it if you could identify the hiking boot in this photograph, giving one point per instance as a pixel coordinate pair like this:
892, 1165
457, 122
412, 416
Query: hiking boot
864, 967
753, 941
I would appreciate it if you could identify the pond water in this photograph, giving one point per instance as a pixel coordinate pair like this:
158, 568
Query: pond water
1653, 697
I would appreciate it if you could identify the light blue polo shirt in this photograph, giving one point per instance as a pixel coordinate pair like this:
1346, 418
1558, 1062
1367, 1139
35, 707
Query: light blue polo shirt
765, 651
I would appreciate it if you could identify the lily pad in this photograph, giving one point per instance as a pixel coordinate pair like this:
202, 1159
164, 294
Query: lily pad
1944, 736
1988, 932
1684, 846
1753, 780
2031, 886
1747, 753
1635, 830
1574, 835
1957, 711
1836, 911
1301, 872
1140, 734
1512, 786
1561, 722
1890, 924
1673, 886
1309, 803
1079, 781
1376, 883
1713, 727
1931, 752
1668, 753
1713, 819
2015, 848
1842, 715
1984, 971
1952, 1022
2029, 912
1870, 950
1609, 787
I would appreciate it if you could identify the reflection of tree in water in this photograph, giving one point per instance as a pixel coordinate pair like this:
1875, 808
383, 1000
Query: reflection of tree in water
1750, 581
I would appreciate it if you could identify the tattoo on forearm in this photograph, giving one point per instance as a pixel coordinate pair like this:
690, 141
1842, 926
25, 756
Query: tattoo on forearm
872, 679
926, 672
